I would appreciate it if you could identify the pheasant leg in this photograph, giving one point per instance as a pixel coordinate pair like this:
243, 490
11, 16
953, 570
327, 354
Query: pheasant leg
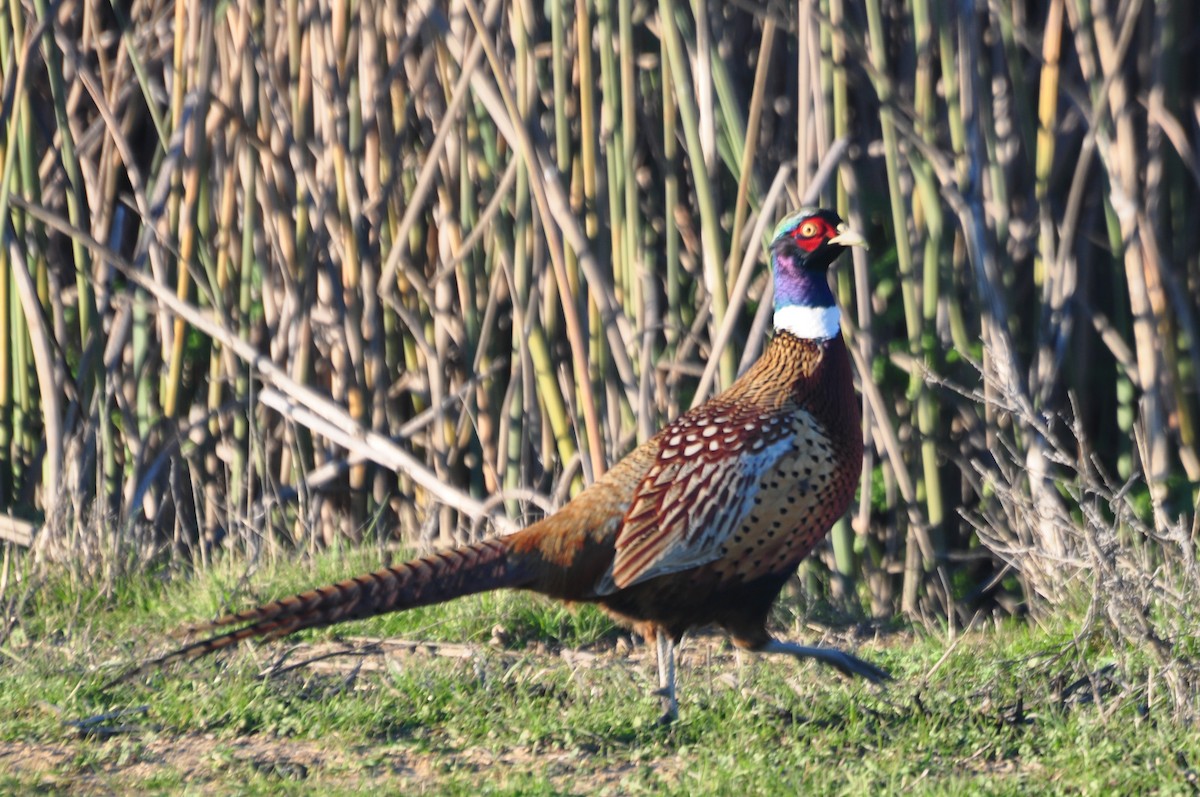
666, 676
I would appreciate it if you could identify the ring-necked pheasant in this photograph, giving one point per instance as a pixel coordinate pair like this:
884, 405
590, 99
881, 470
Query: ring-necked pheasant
702, 524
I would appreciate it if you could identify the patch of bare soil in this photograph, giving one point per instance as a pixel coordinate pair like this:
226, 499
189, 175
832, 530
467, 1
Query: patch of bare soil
206, 764
103, 765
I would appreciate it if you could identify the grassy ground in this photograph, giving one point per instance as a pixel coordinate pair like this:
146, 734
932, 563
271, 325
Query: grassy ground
509, 694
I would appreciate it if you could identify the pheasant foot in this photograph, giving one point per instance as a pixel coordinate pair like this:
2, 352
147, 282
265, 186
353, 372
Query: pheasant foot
848, 664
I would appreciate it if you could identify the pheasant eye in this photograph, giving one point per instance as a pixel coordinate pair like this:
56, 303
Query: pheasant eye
808, 229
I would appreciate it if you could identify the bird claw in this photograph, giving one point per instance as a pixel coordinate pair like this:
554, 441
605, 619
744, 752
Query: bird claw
846, 663
853, 666
670, 705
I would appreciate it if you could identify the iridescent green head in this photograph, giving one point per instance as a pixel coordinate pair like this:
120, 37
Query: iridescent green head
804, 246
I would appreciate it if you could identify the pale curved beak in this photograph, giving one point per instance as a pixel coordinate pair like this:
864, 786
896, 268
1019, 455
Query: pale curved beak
848, 237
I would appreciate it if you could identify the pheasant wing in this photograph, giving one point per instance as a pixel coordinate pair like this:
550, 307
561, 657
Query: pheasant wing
698, 492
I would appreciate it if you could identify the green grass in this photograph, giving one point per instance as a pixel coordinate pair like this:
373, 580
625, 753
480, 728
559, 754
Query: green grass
554, 709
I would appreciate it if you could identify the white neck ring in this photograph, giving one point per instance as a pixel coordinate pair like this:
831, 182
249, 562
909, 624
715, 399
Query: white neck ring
809, 323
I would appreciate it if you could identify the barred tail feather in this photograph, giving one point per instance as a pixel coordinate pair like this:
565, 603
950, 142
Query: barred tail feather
432, 579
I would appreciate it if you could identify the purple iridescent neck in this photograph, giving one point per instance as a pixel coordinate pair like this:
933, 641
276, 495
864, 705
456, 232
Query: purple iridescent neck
797, 286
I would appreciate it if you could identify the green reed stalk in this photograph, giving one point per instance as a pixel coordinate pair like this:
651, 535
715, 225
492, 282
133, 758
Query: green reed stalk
741, 205
930, 216
944, 26
76, 202
912, 316
842, 535
10, 317
21, 174
523, 392
730, 123
709, 223
587, 122
612, 104
561, 76
675, 319
632, 223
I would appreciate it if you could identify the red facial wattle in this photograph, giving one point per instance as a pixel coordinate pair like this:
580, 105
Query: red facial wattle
811, 233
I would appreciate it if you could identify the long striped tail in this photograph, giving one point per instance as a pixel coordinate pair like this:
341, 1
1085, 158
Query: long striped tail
432, 579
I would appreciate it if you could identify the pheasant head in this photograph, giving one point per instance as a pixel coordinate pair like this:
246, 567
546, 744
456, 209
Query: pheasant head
803, 248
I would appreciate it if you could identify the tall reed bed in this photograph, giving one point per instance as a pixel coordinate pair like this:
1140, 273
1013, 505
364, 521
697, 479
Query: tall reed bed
278, 273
